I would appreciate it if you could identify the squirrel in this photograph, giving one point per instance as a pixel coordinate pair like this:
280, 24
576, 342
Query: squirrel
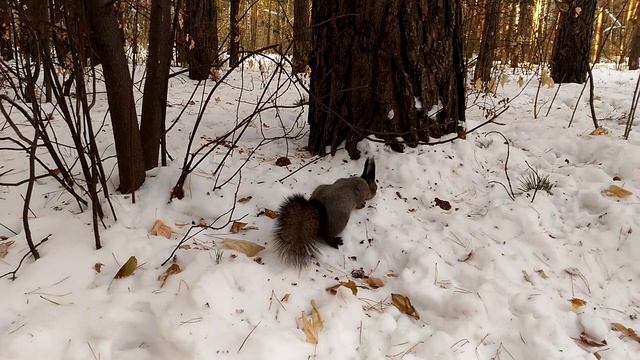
303, 223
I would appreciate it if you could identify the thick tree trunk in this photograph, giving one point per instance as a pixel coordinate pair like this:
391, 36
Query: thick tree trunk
634, 51
6, 46
108, 44
489, 42
202, 35
301, 38
570, 56
234, 32
155, 86
394, 70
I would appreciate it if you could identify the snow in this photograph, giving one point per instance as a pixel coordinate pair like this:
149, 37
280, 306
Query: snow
463, 269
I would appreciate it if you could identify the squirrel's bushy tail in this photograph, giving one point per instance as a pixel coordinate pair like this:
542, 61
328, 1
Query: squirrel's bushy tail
297, 230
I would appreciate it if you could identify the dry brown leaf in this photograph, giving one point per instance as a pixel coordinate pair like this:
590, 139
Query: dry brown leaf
312, 326
466, 257
617, 191
348, 284
527, 278
542, 274
374, 282
271, 213
4, 248
599, 131
404, 305
246, 247
98, 267
237, 226
161, 229
171, 270
577, 303
628, 332
597, 355
504, 79
128, 268
586, 340
285, 298
245, 199
545, 79
520, 81
479, 84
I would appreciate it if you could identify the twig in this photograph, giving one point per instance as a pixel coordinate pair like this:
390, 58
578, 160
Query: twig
249, 334
506, 164
13, 273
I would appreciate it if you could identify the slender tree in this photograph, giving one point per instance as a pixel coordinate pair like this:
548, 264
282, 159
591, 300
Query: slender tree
393, 69
301, 38
570, 56
109, 45
234, 31
155, 86
489, 43
202, 37
634, 49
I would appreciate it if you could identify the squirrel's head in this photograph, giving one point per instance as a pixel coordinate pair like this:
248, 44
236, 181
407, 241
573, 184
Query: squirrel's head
369, 175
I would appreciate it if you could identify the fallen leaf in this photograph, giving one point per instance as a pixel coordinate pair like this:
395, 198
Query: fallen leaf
586, 340
617, 191
542, 274
628, 332
348, 284
545, 79
243, 200
161, 229
599, 131
466, 257
577, 303
312, 326
171, 270
597, 355
4, 248
526, 277
237, 226
617, 178
504, 79
246, 247
283, 161
285, 298
98, 267
442, 204
374, 282
128, 268
520, 81
271, 213
404, 305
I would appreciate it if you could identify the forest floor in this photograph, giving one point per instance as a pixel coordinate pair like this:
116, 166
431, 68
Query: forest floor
489, 278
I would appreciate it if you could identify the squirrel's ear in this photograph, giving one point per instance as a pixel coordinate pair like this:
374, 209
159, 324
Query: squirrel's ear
369, 172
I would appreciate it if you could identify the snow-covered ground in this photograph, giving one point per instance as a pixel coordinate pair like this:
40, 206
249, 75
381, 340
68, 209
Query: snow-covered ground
490, 278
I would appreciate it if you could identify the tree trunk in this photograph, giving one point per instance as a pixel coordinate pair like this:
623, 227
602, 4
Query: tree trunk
109, 45
155, 86
301, 43
234, 32
524, 34
6, 46
202, 25
570, 56
634, 51
489, 41
254, 26
394, 70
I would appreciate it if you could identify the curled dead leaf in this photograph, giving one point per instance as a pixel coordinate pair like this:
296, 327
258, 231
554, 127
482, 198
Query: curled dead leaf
625, 331
442, 204
128, 268
599, 131
237, 226
246, 247
311, 326
171, 270
586, 340
374, 282
577, 303
271, 213
98, 267
4, 248
348, 284
542, 274
285, 298
617, 191
161, 229
243, 200
403, 304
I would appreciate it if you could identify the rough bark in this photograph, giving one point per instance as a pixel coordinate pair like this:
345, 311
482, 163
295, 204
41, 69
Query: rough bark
523, 39
6, 46
489, 43
301, 38
234, 32
394, 70
254, 26
107, 42
634, 51
570, 56
202, 25
155, 86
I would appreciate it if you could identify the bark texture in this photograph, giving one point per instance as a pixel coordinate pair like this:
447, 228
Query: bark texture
202, 41
234, 32
570, 56
155, 86
489, 42
107, 42
390, 68
634, 51
301, 36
